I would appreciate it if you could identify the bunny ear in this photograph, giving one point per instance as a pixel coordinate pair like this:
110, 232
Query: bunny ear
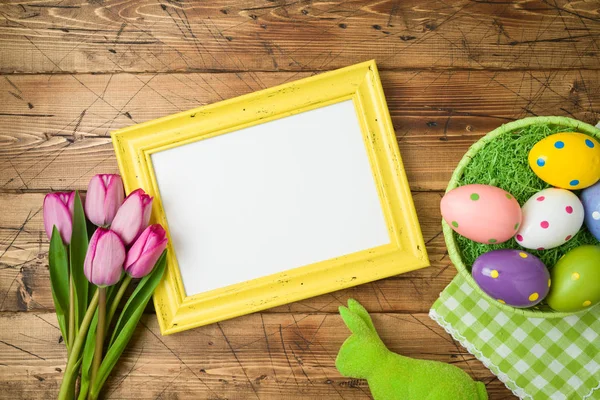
359, 310
353, 321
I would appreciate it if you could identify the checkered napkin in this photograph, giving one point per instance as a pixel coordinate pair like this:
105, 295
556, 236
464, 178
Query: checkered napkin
536, 358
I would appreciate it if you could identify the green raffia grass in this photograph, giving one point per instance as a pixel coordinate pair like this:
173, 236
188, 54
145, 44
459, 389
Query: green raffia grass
503, 163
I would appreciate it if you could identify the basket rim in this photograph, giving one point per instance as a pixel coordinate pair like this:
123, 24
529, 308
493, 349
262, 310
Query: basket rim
451, 244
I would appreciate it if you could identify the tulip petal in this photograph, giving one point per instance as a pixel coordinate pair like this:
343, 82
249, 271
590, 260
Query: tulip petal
114, 197
128, 220
94, 201
133, 216
145, 251
137, 248
147, 260
147, 200
56, 213
88, 263
156, 235
108, 260
71, 202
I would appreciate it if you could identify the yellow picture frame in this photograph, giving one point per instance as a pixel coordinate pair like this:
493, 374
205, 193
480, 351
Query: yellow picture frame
360, 83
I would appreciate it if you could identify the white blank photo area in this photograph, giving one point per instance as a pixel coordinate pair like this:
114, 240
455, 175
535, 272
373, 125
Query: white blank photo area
268, 198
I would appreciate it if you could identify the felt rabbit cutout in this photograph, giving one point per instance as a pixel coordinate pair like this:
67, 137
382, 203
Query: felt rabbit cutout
392, 376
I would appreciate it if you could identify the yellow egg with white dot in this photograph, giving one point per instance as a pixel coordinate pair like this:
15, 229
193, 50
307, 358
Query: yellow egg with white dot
567, 160
576, 280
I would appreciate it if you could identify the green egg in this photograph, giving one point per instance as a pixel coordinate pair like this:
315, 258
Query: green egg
576, 280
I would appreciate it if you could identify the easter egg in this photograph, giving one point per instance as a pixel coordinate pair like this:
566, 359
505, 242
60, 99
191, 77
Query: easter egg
550, 218
512, 277
576, 280
568, 160
590, 198
482, 213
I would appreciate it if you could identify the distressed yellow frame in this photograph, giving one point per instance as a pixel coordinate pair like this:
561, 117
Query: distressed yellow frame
361, 84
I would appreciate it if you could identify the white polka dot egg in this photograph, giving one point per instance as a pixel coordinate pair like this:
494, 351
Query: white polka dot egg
551, 218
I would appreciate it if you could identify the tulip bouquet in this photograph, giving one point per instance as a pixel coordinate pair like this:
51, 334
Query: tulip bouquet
90, 277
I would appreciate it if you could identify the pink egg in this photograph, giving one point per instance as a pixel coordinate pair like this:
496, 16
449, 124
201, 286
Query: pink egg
482, 213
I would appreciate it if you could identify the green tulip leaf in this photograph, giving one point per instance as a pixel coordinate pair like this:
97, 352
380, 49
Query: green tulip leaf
79, 245
88, 356
127, 322
59, 280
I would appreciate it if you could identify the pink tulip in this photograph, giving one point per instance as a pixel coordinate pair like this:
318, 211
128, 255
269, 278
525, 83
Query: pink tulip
133, 216
103, 263
104, 196
146, 250
58, 211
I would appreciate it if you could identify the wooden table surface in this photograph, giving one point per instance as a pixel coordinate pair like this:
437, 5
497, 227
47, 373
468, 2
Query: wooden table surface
72, 71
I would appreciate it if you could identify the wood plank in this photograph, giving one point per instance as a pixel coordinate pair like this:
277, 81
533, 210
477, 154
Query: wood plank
225, 35
25, 282
54, 129
259, 356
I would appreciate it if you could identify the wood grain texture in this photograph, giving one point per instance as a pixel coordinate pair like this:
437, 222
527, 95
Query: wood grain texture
259, 356
25, 283
54, 129
71, 71
225, 35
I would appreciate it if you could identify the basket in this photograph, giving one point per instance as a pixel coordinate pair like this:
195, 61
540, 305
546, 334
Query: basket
449, 234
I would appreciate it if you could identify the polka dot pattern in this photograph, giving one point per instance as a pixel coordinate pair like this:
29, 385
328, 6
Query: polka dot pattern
596, 215
549, 282
551, 159
501, 301
587, 303
523, 255
534, 296
482, 213
569, 210
575, 276
550, 218
494, 274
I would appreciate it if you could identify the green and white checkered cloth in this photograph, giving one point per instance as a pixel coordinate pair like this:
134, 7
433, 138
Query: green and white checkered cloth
536, 358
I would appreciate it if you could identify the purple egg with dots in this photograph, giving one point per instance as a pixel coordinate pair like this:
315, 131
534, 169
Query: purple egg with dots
512, 277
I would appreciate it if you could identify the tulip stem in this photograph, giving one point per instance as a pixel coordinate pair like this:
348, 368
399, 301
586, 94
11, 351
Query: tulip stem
117, 299
73, 362
71, 322
100, 329
71, 328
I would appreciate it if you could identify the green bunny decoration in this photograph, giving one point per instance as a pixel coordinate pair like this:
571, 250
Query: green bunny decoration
392, 376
